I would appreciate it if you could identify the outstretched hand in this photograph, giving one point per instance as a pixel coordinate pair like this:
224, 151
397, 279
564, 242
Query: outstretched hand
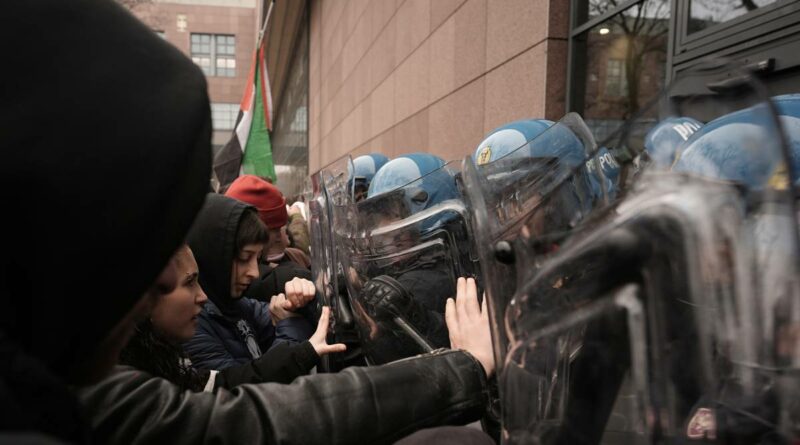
318, 339
468, 324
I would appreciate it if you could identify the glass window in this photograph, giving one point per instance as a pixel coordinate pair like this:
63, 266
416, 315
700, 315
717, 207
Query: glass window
587, 10
704, 14
616, 83
290, 126
223, 115
620, 66
215, 54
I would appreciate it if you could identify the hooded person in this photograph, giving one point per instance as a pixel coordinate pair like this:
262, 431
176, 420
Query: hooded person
279, 263
227, 239
64, 329
127, 184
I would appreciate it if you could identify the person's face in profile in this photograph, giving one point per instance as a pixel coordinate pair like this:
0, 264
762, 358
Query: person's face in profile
175, 313
245, 268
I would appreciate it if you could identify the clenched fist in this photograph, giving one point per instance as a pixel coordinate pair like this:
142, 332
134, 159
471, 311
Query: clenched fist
299, 292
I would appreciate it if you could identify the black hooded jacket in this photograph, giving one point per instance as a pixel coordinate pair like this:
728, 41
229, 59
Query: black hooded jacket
104, 133
106, 160
227, 325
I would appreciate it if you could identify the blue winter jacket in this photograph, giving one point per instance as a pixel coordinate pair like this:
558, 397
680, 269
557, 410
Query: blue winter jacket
219, 341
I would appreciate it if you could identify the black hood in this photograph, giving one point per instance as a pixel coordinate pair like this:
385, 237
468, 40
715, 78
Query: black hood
105, 138
213, 242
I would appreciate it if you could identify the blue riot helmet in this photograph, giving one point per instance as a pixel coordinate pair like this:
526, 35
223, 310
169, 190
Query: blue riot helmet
789, 111
545, 180
603, 169
508, 138
608, 164
417, 181
731, 148
364, 169
402, 171
664, 140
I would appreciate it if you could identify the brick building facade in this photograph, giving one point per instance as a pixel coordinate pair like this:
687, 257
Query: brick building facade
397, 76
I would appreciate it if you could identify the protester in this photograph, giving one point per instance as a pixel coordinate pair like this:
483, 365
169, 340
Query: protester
156, 345
279, 263
125, 160
227, 240
271, 207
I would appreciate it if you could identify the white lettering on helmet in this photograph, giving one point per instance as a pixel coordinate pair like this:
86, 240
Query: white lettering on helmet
606, 161
686, 129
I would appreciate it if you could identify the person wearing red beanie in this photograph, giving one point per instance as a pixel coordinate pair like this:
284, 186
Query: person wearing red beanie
262, 195
279, 262
271, 206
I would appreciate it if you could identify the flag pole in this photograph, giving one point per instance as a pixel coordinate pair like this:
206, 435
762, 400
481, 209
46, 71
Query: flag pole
266, 22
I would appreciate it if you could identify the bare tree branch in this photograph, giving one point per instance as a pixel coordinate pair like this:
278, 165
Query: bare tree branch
133, 4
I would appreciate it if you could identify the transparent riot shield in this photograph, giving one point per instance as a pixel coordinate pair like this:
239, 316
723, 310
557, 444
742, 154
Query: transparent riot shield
327, 185
666, 315
403, 251
330, 190
535, 196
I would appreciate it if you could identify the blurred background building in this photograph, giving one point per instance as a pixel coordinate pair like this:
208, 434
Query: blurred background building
397, 76
219, 35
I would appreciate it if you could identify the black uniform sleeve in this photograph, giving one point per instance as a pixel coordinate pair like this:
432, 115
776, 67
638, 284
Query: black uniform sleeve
281, 364
358, 405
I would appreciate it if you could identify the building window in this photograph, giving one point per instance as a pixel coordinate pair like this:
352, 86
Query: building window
707, 13
616, 83
215, 54
223, 116
290, 127
161, 34
225, 55
619, 62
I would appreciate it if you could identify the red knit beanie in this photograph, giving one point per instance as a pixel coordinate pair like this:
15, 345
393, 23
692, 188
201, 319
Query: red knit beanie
263, 196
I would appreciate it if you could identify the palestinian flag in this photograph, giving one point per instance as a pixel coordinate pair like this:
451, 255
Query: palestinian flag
249, 150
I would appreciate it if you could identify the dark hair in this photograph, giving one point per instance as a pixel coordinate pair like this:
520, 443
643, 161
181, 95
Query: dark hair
153, 354
251, 230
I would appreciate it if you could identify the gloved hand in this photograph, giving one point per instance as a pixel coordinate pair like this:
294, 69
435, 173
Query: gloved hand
385, 298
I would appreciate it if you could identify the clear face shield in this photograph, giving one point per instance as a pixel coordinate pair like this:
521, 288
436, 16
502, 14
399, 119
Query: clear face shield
528, 202
329, 191
328, 187
666, 314
403, 251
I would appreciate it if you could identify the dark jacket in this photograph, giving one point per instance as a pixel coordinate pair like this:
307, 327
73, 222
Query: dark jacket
230, 331
106, 161
219, 342
359, 405
273, 278
150, 352
281, 364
